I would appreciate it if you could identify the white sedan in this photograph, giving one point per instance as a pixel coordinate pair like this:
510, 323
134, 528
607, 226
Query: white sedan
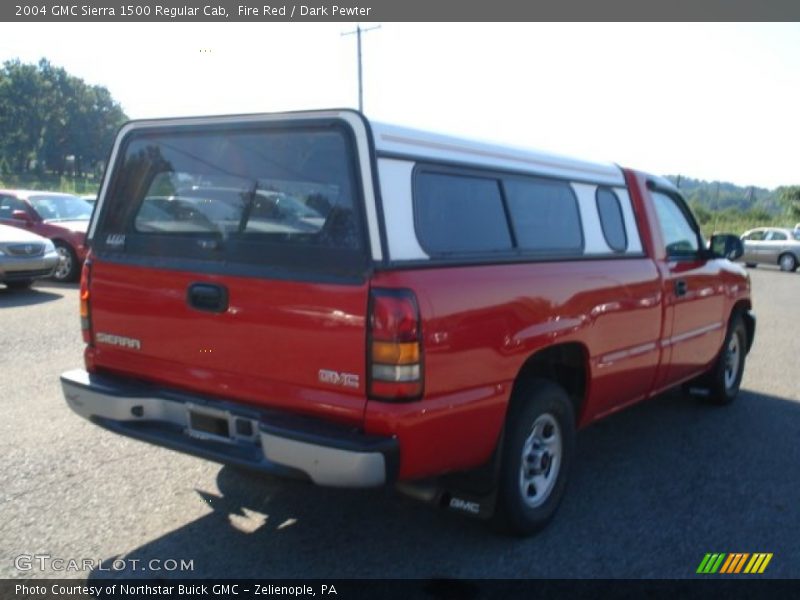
24, 256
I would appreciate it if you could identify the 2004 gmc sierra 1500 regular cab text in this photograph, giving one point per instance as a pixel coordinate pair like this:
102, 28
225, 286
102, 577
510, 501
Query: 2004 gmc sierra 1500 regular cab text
314, 295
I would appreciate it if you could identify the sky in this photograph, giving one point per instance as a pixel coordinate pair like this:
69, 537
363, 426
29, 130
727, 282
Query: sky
718, 101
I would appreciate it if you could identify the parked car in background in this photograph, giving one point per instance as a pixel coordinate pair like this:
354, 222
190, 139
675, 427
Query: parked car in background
89, 197
24, 256
772, 246
62, 218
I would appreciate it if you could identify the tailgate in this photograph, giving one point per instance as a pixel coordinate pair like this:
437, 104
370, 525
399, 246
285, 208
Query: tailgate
230, 258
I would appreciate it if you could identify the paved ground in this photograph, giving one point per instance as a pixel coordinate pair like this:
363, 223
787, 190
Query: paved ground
654, 488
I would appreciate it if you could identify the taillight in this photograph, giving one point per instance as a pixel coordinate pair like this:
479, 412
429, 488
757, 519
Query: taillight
86, 311
395, 346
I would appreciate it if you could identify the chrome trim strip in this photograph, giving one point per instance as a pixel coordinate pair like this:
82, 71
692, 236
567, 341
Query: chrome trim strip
691, 334
632, 352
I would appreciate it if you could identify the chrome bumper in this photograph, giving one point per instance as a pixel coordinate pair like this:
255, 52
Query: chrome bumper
27, 267
268, 441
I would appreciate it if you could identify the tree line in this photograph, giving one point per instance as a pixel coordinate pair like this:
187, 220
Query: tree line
710, 198
53, 122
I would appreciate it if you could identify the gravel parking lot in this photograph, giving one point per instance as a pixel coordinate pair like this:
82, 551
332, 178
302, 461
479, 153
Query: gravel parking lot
654, 488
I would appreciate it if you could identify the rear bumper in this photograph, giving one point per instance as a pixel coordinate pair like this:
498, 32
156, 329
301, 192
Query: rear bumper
268, 441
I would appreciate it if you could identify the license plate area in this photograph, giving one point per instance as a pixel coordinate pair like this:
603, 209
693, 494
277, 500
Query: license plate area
208, 424
212, 424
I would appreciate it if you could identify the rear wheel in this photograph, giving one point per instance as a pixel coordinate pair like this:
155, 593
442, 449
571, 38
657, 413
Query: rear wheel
787, 262
538, 448
725, 376
68, 267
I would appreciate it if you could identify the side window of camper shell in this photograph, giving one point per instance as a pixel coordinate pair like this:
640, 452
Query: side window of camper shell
462, 213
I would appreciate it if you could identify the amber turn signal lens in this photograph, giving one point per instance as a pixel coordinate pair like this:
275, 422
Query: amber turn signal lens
388, 353
85, 303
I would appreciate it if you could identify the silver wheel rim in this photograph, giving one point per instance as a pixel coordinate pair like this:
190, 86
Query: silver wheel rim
541, 460
787, 262
732, 357
64, 263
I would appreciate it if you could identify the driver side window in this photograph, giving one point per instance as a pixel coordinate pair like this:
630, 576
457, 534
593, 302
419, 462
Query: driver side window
679, 235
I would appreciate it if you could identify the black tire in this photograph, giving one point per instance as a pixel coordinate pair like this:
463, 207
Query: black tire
724, 378
70, 268
750, 265
19, 284
543, 406
787, 262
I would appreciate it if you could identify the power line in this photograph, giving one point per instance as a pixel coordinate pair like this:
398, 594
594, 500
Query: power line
358, 31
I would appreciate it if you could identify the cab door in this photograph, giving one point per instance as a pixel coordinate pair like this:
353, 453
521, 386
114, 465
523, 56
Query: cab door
693, 292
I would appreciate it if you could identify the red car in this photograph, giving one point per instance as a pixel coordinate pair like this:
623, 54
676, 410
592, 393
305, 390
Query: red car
61, 217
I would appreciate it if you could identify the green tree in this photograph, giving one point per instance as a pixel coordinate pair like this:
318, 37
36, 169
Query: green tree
789, 198
21, 114
53, 119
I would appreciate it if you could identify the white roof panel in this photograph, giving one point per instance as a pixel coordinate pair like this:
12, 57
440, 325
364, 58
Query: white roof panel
400, 141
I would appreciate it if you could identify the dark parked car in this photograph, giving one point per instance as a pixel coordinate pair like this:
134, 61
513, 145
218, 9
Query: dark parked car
63, 218
772, 246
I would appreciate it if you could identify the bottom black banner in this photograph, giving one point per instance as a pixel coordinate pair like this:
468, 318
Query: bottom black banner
346, 589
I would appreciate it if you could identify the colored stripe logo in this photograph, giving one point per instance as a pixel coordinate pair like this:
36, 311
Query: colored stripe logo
734, 563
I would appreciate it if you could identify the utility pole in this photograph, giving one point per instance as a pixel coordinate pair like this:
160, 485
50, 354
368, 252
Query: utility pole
358, 31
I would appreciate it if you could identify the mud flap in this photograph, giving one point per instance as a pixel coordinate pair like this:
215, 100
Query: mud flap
472, 493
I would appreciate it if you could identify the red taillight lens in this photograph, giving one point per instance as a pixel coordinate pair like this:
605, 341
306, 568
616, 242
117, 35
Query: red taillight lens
394, 316
85, 308
395, 348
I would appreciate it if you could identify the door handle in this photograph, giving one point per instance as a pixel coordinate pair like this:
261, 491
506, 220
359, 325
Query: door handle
209, 297
681, 287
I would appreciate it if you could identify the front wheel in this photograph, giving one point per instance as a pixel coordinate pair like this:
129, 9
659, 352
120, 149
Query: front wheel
725, 376
68, 267
538, 447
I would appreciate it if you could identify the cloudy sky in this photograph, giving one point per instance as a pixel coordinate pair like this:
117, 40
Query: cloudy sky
709, 101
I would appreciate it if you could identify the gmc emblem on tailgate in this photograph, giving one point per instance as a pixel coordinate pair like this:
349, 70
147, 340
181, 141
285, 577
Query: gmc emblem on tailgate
335, 378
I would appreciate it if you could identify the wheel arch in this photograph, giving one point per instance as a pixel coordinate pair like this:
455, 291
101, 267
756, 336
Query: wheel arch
744, 308
566, 364
63, 241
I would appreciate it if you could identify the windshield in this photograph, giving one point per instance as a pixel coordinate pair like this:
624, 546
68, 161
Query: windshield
61, 208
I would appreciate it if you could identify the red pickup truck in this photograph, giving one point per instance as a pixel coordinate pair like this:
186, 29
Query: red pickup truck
315, 295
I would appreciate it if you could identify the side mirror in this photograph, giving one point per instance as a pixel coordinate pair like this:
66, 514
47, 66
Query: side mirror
21, 215
726, 245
